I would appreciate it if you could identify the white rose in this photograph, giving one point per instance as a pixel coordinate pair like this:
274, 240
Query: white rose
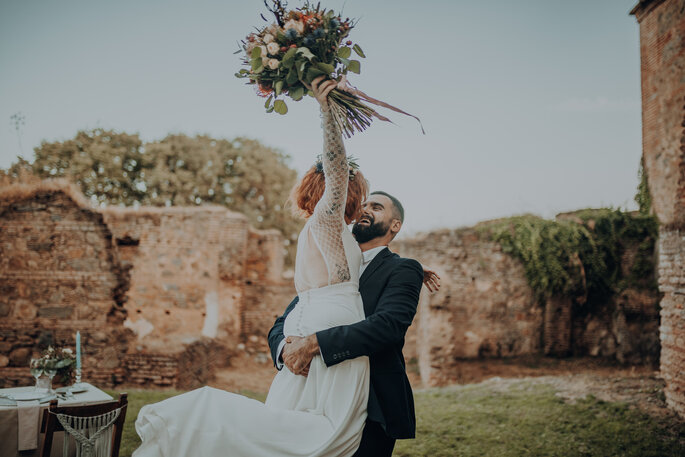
274, 29
268, 38
293, 24
273, 63
273, 48
263, 48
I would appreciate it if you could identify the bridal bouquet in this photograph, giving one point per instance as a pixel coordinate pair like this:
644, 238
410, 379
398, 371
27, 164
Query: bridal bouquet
282, 58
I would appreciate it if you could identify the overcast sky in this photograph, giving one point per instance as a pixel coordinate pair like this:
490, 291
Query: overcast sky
529, 106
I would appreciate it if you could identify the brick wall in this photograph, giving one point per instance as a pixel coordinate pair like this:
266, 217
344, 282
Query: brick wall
662, 55
158, 294
486, 308
187, 269
59, 272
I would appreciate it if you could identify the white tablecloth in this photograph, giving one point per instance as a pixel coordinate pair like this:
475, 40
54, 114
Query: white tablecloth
8, 420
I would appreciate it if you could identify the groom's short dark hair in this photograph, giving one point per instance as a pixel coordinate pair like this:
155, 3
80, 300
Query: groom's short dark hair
398, 209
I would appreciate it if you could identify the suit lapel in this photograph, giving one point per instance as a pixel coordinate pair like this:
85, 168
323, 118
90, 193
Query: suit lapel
373, 266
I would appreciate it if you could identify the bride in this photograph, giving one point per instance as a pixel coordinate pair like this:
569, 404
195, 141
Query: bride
322, 414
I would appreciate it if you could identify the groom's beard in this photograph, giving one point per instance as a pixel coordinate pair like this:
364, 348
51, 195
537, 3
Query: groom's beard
364, 233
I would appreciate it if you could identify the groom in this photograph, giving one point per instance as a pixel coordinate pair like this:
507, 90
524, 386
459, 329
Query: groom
389, 286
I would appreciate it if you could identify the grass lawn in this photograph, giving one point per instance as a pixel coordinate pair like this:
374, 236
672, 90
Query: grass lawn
523, 420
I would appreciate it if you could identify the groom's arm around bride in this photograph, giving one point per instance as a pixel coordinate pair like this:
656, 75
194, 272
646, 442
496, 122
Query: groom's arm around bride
390, 287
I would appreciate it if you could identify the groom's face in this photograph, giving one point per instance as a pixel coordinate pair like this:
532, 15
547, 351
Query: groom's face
375, 220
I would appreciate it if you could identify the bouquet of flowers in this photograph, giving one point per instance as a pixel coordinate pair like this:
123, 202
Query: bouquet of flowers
61, 362
283, 58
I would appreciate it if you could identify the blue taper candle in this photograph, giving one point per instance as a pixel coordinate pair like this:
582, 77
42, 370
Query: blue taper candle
78, 350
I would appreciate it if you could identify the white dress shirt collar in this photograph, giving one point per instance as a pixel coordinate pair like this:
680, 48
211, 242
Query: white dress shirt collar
368, 256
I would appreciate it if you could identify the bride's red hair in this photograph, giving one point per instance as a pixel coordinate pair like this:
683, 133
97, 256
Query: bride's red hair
309, 191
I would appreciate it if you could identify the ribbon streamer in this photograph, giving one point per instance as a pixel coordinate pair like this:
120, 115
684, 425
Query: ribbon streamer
345, 85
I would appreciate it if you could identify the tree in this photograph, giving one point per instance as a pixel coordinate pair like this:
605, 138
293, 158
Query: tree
119, 169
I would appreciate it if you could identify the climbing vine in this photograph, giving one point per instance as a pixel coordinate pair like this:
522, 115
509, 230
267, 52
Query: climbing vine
580, 254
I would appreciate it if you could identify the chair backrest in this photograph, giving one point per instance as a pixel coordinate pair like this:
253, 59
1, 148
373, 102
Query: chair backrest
102, 416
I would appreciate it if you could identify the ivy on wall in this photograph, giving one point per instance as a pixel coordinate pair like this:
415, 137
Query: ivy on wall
580, 254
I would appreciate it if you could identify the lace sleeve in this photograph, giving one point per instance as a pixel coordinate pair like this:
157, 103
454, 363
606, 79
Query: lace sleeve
328, 219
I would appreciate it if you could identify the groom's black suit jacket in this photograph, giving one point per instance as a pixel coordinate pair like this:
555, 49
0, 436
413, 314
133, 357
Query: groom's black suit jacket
390, 288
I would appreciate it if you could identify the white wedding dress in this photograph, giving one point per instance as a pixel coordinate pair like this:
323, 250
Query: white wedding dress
322, 414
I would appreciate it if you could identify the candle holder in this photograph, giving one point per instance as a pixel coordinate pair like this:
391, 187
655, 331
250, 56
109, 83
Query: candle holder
77, 377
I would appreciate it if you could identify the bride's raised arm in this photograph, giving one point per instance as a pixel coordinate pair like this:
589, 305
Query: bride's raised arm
328, 219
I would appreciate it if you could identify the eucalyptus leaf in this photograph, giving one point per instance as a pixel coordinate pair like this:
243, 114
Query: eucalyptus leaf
278, 87
325, 67
291, 78
268, 101
270, 109
256, 52
312, 73
297, 93
344, 52
354, 66
260, 69
256, 63
280, 107
344, 61
305, 52
301, 67
289, 57
358, 50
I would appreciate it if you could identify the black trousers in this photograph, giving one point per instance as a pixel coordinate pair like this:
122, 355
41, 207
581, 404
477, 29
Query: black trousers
375, 442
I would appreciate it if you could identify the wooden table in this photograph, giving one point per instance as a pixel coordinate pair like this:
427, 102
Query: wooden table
8, 420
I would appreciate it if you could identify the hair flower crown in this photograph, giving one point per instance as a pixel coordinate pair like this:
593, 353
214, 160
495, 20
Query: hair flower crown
351, 163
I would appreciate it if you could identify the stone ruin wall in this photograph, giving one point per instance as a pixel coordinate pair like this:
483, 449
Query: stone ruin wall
187, 269
483, 309
164, 296
486, 309
157, 294
58, 272
662, 56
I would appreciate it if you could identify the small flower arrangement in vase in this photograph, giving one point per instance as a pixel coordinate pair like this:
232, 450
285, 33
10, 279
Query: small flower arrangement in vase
54, 362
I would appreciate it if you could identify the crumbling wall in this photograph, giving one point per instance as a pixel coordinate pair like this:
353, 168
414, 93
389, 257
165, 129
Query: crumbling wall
662, 56
187, 269
267, 291
158, 294
486, 308
59, 273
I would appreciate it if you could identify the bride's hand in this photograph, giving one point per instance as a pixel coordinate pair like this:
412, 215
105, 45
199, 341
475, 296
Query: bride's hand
321, 87
431, 280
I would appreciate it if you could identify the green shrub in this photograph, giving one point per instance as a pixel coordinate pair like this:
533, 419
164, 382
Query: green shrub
579, 254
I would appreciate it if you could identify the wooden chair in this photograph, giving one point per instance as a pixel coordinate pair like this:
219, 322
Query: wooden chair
95, 429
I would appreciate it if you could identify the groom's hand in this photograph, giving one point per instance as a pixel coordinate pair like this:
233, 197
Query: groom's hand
298, 353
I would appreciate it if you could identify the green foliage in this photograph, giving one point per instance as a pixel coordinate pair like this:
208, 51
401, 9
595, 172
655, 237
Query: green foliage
579, 254
642, 197
119, 169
